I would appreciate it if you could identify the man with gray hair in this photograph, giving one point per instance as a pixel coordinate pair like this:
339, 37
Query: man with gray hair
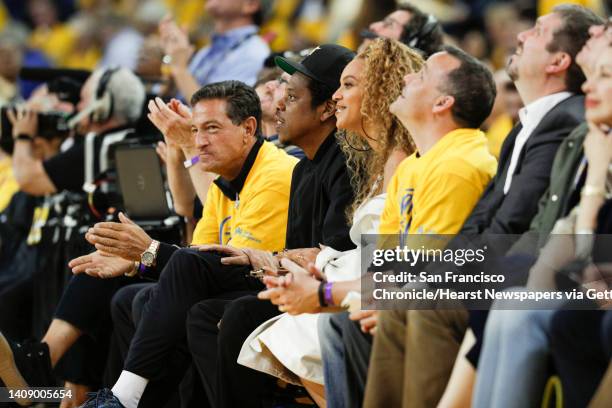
111, 101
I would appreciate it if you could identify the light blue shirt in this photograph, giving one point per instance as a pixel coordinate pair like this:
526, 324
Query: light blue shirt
237, 54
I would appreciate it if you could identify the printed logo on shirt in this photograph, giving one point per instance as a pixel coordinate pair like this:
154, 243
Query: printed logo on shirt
225, 233
406, 204
246, 234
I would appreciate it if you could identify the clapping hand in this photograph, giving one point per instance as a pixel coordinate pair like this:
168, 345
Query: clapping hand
173, 120
125, 239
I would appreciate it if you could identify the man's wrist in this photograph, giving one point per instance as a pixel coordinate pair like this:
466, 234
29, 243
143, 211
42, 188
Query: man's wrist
179, 70
24, 136
133, 271
149, 256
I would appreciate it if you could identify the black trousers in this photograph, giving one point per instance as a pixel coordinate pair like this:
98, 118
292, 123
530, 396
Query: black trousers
85, 304
215, 348
606, 333
189, 277
126, 309
577, 350
16, 286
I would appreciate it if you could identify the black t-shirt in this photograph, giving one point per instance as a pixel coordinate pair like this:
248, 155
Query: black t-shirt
320, 193
67, 169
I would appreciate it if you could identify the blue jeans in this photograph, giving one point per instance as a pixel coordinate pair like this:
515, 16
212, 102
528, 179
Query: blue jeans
332, 352
513, 365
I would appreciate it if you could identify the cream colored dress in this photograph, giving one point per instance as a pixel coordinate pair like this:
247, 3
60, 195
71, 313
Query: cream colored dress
287, 346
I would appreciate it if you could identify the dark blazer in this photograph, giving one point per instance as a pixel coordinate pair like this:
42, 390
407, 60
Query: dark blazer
499, 213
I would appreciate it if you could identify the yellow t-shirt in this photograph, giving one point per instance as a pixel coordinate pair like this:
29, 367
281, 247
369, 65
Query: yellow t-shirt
259, 218
436, 192
497, 133
8, 184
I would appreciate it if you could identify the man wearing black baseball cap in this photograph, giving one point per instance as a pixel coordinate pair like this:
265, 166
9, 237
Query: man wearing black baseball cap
320, 193
324, 63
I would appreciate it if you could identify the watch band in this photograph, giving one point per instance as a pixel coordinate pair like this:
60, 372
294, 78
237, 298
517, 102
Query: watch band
149, 256
24, 136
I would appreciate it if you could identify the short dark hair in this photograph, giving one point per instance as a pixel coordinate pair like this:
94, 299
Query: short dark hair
319, 92
571, 37
472, 86
428, 34
241, 100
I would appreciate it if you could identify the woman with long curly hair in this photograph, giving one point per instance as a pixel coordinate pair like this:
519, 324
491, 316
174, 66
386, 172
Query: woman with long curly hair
374, 143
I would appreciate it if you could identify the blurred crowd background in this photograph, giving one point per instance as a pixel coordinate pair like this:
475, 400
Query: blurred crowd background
85, 34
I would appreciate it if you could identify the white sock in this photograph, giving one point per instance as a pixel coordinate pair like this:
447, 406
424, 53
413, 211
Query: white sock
129, 389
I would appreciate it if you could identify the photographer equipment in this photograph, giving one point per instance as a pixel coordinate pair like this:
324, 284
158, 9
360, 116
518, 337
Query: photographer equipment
414, 37
101, 108
66, 84
51, 125
141, 183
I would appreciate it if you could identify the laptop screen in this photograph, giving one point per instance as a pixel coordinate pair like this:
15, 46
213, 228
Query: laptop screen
141, 182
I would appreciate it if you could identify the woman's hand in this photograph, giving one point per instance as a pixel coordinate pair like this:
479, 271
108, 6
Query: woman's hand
297, 291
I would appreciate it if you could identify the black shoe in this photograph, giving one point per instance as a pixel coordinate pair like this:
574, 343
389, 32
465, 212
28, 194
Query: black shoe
25, 365
102, 399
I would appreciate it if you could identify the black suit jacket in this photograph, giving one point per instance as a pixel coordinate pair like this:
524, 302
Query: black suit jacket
499, 213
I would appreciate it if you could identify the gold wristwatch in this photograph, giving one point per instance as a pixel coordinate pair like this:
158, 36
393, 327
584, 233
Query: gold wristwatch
149, 256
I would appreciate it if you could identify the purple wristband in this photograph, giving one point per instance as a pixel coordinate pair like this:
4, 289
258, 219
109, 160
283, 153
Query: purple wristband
329, 299
190, 162
141, 269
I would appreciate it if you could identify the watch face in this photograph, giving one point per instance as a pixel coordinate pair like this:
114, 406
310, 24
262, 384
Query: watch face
147, 258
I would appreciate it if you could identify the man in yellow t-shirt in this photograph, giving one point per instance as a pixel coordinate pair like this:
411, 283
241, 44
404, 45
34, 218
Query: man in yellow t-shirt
247, 206
434, 190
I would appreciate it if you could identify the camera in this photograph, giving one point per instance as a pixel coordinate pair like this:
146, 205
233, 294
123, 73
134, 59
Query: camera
51, 125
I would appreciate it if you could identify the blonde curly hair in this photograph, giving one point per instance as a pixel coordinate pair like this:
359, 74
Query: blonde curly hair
386, 63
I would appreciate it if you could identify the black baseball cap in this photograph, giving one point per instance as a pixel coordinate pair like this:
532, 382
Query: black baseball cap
324, 64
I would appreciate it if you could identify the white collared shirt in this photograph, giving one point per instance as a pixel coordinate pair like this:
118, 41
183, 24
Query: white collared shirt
530, 117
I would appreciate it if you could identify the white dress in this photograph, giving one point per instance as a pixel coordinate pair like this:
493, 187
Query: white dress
287, 346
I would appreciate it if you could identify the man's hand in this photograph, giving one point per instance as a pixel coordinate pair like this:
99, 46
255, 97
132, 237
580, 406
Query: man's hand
258, 259
126, 239
175, 43
233, 256
302, 256
162, 152
296, 292
173, 120
24, 121
100, 265
367, 320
